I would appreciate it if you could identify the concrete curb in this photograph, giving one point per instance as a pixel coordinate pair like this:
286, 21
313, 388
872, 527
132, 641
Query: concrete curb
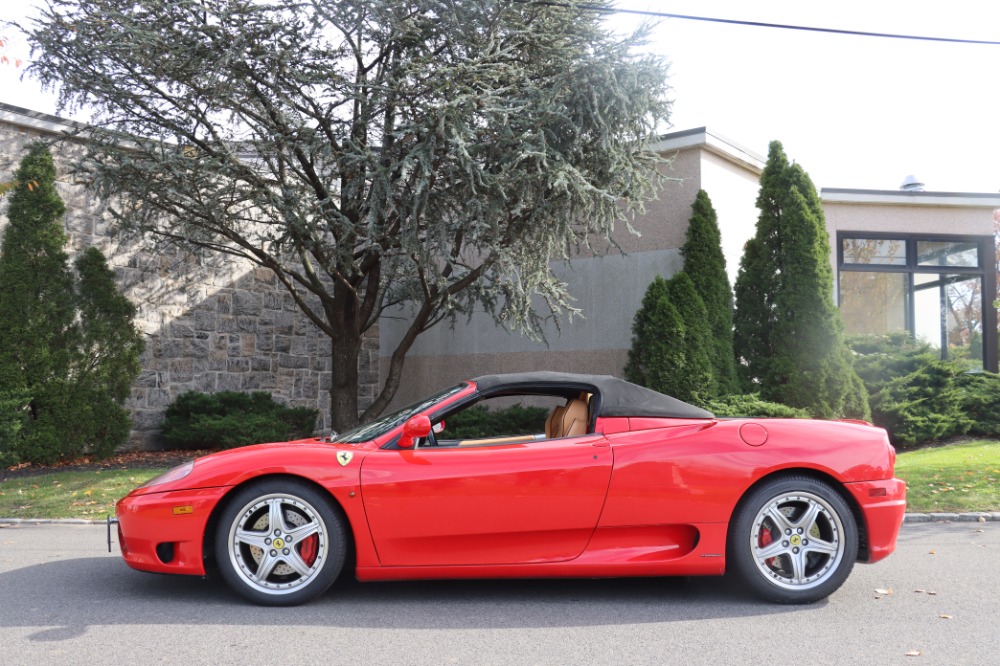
975, 517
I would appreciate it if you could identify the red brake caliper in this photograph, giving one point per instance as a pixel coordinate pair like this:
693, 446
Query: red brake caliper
308, 548
764, 539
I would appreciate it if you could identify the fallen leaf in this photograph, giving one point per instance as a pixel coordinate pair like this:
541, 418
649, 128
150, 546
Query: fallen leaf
931, 553
919, 591
883, 591
982, 519
914, 653
945, 616
932, 593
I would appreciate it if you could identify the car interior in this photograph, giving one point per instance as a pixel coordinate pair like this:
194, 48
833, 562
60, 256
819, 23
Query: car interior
564, 416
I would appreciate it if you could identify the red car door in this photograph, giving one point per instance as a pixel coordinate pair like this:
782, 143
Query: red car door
529, 502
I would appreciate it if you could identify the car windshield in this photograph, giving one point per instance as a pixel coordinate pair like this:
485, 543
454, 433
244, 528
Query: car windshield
379, 427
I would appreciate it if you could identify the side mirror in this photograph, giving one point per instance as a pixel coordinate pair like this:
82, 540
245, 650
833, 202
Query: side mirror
415, 428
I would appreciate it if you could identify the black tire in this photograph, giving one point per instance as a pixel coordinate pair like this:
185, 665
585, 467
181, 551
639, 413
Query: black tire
287, 527
793, 540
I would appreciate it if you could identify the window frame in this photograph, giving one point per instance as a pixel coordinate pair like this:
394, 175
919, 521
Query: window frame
986, 271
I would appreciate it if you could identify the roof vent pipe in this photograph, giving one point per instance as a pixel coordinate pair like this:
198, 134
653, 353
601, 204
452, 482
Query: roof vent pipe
912, 184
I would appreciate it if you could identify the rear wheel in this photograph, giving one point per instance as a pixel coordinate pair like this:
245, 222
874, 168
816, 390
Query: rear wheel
793, 540
280, 542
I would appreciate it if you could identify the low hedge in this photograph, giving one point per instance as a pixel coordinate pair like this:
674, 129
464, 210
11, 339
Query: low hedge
229, 419
752, 405
479, 422
918, 397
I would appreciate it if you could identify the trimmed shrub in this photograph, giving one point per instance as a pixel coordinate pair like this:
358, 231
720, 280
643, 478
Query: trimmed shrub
923, 405
13, 414
751, 405
980, 396
478, 422
658, 354
697, 381
229, 419
878, 359
919, 397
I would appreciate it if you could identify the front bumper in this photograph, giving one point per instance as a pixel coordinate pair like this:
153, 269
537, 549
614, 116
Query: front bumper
164, 532
883, 506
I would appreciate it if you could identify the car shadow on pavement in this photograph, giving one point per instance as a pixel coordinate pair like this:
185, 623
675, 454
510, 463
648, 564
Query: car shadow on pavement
67, 596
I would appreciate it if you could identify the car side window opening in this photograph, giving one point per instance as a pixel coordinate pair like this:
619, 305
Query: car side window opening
512, 419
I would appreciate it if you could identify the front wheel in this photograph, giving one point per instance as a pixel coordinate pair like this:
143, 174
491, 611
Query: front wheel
280, 542
793, 540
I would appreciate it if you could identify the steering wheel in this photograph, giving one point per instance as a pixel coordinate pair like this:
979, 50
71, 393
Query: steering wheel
432, 435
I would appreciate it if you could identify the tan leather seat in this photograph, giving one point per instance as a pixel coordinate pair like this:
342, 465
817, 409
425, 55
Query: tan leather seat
553, 424
574, 419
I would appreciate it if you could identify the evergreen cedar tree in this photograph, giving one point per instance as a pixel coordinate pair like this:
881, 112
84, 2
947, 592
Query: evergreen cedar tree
698, 383
706, 266
70, 352
700, 350
789, 338
422, 159
657, 356
670, 350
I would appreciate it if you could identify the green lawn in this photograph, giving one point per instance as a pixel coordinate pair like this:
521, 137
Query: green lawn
959, 477
90, 495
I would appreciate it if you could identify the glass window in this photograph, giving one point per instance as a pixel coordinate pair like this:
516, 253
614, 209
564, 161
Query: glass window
947, 253
948, 315
886, 251
873, 303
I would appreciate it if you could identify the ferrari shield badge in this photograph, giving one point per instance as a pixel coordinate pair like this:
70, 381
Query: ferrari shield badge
344, 457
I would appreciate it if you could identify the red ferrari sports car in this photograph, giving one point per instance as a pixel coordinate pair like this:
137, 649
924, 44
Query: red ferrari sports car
624, 481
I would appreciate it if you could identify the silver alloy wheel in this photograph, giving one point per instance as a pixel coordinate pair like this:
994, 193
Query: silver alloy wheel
797, 540
278, 542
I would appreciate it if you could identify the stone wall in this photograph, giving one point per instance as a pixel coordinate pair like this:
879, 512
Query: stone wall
211, 323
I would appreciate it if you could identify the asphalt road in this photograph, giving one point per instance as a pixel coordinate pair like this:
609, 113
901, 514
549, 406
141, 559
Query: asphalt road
65, 600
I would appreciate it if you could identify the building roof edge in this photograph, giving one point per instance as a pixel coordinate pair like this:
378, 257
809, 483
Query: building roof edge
17, 115
909, 198
713, 142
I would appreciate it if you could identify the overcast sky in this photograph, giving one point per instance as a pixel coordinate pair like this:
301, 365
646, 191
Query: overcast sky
857, 112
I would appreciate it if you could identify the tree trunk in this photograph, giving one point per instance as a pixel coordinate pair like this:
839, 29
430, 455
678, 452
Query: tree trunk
345, 349
344, 355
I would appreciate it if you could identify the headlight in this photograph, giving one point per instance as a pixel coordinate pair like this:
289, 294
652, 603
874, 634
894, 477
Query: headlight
175, 474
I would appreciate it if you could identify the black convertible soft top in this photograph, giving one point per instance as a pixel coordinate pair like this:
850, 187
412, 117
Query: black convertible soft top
617, 396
